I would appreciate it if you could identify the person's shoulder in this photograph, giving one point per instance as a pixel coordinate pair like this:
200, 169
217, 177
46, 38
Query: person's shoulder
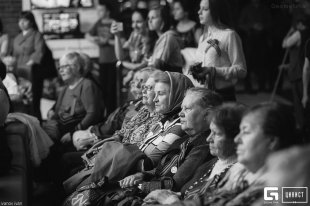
4, 37
87, 82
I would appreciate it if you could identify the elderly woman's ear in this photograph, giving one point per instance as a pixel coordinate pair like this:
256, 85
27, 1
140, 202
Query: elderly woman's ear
274, 143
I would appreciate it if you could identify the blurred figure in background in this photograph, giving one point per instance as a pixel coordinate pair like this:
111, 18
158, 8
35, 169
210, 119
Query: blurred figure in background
29, 49
166, 54
187, 29
4, 42
101, 35
255, 22
134, 45
78, 104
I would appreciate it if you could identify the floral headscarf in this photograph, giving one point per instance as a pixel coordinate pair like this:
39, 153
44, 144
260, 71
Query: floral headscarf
179, 83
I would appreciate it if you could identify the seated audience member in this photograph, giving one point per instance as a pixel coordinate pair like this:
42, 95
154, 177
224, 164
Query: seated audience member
182, 159
132, 131
264, 129
5, 153
167, 49
187, 29
224, 127
78, 104
288, 168
115, 159
85, 138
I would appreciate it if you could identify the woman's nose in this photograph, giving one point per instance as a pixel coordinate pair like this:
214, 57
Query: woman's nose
209, 138
181, 114
237, 138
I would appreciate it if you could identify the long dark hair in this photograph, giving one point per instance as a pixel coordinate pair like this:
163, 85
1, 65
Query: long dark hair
220, 13
30, 17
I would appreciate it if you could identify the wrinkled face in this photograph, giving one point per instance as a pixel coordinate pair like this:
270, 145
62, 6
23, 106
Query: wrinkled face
220, 146
103, 12
155, 21
68, 70
252, 143
148, 93
137, 83
204, 13
24, 24
193, 116
137, 22
178, 11
162, 92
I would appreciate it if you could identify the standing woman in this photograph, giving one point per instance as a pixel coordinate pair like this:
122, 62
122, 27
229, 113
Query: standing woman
4, 42
28, 49
219, 54
186, 28
167, 49
134, 44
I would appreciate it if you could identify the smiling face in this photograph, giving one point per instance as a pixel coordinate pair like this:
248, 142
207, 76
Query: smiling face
137, 22
204, 13
193, 116
220, 146
252, 144
148, 93
162, 93
178, 11
154, 20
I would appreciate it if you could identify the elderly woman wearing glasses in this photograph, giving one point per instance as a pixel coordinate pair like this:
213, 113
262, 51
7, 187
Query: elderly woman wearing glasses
78, 105
224, 126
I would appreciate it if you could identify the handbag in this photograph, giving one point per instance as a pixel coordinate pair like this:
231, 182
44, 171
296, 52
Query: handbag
88, 195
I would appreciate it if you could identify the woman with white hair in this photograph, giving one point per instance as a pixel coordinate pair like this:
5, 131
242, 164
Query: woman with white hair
78, 105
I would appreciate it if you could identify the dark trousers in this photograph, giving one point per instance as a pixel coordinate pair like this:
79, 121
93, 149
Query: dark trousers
108, 81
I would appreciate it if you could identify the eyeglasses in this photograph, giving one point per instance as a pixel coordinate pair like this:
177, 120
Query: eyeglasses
136, 83
65, 66
147, 87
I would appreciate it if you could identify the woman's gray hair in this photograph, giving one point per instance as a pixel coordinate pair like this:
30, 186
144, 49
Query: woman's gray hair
207, 98
76, 59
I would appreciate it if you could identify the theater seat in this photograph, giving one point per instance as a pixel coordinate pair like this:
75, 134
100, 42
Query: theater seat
15, 186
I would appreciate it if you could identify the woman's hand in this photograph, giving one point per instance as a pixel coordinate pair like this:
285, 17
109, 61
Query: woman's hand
115, 28
162, 197
30, 63
82, 139
131, 180
199, 73
304, 100
66, 138
50, 114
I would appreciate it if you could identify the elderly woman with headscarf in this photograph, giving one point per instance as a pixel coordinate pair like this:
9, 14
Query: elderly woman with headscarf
78, 104
117, 160
184, 156
224, 127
